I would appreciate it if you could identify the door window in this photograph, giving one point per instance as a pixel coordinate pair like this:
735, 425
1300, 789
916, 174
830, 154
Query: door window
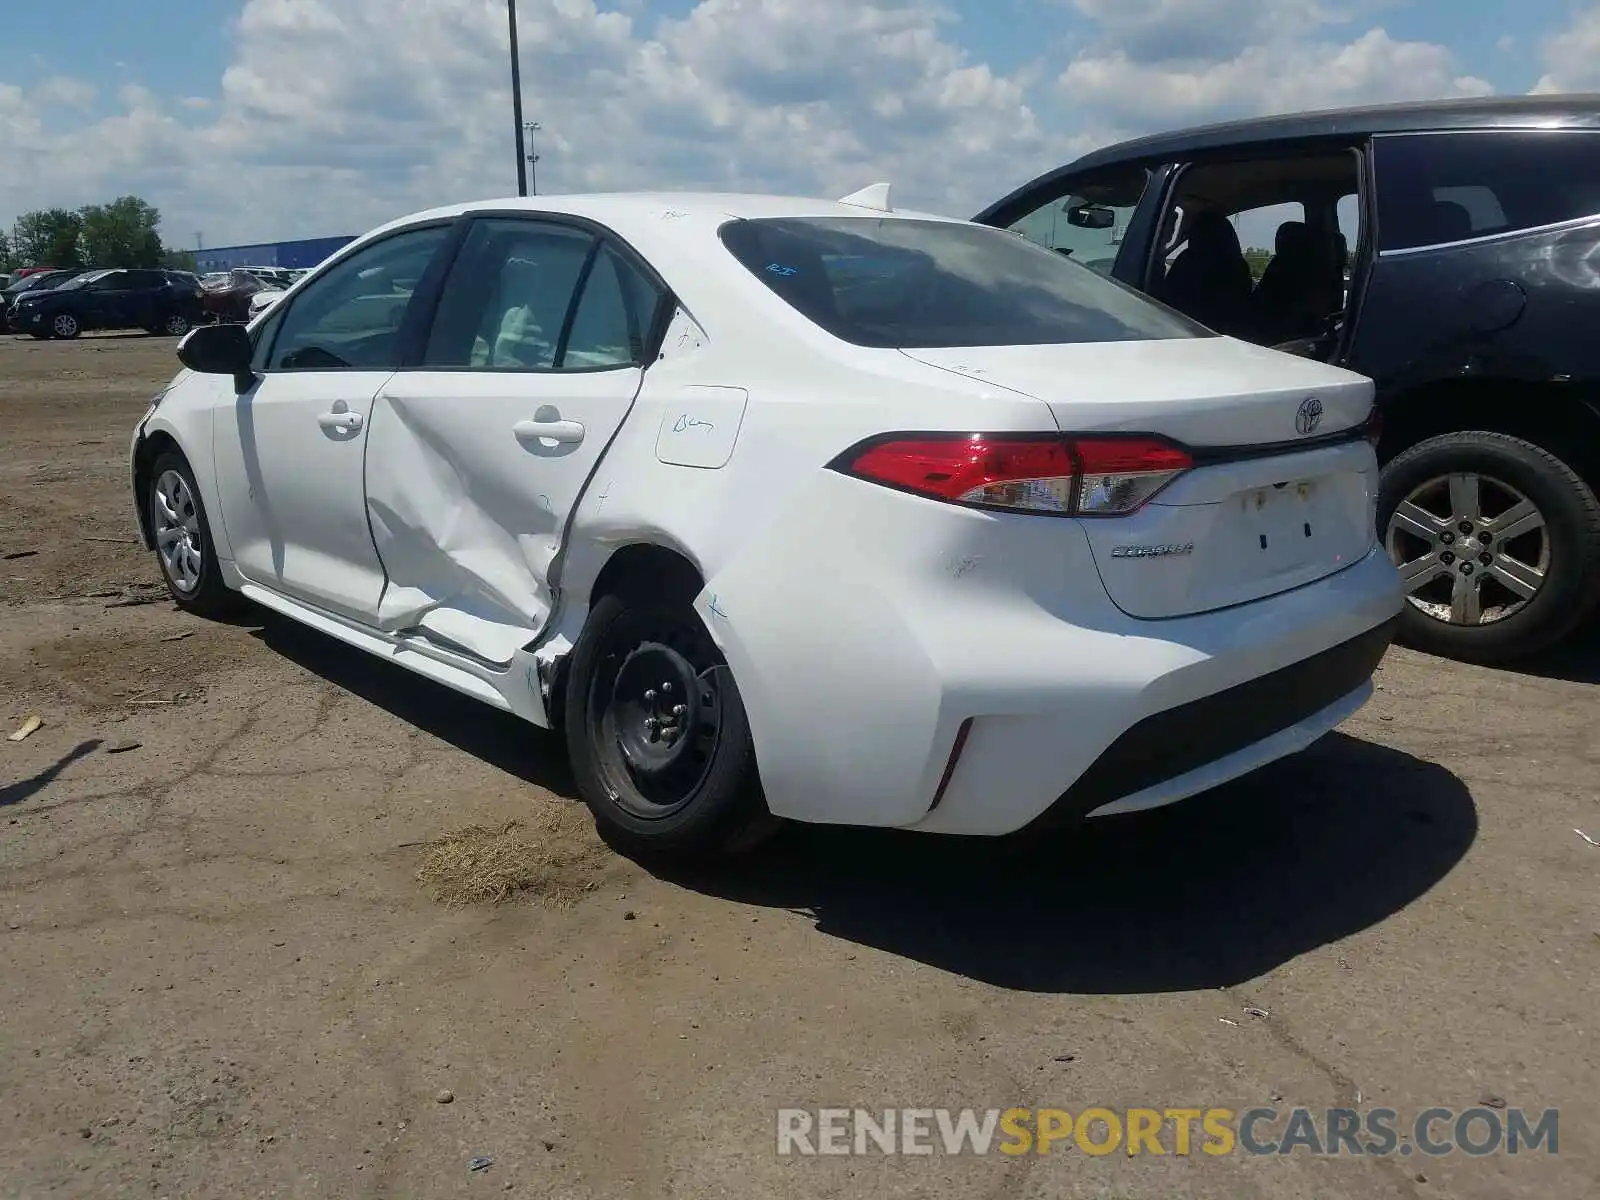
350, 318
613, 317
1434, 189
1088, 222
509, 297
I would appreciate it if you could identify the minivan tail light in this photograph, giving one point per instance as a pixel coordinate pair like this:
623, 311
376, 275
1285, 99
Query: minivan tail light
1107, 475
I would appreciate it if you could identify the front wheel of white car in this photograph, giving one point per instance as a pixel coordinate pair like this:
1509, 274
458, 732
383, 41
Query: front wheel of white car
656, 731
182, 538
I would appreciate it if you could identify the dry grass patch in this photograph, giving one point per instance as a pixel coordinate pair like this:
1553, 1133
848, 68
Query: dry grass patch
556, 857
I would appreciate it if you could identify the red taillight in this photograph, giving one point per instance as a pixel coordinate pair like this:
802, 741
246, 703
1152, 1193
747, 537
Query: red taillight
1105, 475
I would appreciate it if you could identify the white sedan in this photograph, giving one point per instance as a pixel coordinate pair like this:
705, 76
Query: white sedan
263, 300
786, 508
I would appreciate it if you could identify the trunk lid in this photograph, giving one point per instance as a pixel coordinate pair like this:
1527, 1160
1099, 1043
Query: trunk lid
1204, 391
1258, 515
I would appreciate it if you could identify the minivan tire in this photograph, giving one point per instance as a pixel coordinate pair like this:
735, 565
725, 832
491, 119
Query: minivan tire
1571, 584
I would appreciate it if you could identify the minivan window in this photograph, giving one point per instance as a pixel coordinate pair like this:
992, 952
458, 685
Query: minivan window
909, 283
1433, 189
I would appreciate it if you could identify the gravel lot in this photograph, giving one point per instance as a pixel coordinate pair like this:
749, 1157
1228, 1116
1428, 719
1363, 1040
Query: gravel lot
219, 975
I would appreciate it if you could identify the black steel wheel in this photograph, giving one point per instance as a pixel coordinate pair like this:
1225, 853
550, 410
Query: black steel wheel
660, 747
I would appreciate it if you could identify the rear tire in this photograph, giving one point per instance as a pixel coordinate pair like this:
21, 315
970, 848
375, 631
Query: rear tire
657, 734
182, 533
1533, 587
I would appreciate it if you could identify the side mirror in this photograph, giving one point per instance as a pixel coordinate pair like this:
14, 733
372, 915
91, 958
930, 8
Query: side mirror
1091, 216
221, 349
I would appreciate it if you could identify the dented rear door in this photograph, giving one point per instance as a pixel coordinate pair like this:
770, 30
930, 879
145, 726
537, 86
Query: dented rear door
476, 459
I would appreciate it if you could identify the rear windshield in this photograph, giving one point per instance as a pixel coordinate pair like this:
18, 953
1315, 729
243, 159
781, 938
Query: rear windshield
900, 282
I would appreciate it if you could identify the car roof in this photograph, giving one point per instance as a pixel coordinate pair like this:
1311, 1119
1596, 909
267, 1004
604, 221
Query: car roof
1566, 111
620, 210
1574, 111
675, 232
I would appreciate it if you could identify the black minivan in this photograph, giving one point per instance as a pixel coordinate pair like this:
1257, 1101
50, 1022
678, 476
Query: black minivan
1450, 251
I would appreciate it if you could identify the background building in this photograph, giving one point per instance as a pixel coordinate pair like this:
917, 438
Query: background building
307, 252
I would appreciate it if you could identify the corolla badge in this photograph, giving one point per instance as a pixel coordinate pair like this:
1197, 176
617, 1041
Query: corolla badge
1152, 551
1308, 416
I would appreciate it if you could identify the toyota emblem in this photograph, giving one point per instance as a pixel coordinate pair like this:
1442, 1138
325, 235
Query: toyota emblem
1309, 416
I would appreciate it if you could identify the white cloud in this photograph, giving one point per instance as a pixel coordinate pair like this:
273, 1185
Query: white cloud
1572, 57
333, 115
61, 91
1126, 93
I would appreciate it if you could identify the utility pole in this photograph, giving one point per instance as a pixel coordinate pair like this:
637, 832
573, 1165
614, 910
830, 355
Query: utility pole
532, 127
516, 100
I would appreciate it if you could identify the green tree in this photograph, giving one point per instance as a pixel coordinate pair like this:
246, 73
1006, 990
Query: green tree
5, 252
1258, 258
178, 260
48, 238
123, 233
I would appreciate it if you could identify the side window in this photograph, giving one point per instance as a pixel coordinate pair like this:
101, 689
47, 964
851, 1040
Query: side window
262, 339
506, 301
1433, 189
350, 318
613, 316
145, 279
1087, 222
1254, 247
112, 281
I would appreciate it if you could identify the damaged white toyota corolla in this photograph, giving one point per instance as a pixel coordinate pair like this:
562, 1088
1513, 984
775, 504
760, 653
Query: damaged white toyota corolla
789, 508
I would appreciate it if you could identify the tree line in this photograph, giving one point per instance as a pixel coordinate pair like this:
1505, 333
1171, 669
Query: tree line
123, 233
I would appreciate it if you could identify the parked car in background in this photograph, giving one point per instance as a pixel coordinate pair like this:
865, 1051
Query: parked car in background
36, 281
135, 298
228, 298
1023, 544
1443, 249
263, 300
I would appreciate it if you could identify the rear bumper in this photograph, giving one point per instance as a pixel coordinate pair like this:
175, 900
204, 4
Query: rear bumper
868, 629
1178, 751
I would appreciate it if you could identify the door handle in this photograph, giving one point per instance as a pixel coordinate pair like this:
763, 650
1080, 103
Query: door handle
551, 431
340, 422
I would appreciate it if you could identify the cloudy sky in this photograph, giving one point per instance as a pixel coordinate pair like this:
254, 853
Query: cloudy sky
249, 120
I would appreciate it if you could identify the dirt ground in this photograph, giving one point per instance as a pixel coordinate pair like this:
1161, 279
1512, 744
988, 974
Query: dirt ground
220, 975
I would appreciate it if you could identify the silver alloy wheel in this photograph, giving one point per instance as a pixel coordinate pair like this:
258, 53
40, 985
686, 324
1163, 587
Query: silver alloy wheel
177, 324
177, 529
65, 325
1471, 549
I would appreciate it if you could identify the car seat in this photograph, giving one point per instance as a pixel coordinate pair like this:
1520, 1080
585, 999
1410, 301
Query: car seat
1210, 279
